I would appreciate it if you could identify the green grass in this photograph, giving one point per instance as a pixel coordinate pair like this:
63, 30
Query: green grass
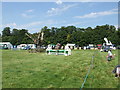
38, 70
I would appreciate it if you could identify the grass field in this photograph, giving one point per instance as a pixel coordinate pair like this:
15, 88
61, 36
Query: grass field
38, 70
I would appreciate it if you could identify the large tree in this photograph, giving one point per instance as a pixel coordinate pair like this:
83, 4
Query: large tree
6, 31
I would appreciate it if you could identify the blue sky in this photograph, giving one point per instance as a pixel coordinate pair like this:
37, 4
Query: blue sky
35, 15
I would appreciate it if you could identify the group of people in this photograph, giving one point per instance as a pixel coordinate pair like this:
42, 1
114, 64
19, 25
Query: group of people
116, 70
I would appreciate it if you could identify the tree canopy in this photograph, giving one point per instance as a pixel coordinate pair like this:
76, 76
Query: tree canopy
64, 35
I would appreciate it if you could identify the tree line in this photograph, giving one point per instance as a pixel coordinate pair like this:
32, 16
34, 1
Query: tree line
64, 35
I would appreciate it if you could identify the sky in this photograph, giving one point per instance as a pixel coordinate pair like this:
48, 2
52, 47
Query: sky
35, 15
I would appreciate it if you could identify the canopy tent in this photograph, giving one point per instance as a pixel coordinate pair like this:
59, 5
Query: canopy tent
71, 46
5, 45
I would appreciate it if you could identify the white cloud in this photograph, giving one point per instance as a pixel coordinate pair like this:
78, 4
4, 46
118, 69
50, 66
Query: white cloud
34, 26
57, 11
10, 25
30, 10
27, 15
24, 15
58, 2
63, 1
36, 23
97, 14
31, 24
74, 23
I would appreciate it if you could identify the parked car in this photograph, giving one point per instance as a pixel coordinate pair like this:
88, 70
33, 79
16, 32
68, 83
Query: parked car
99, 46
113, 47
106, 48
91, 47
87, 47
118, 47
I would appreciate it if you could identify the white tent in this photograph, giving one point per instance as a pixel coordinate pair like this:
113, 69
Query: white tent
6, 44
22, 46
71, 45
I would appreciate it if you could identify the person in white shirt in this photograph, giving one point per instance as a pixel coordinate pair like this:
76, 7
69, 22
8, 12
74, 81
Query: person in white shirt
110, 55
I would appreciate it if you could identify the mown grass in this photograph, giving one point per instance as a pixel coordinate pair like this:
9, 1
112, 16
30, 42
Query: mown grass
38, 70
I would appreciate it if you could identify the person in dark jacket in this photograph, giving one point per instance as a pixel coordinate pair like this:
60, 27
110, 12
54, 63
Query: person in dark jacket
117, 71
